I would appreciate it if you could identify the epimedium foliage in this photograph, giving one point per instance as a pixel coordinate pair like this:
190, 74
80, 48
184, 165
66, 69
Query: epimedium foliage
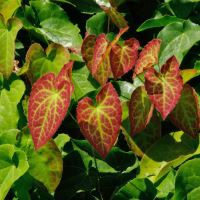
107, 87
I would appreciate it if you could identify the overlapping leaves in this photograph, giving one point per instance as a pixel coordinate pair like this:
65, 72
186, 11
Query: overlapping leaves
100, 124
48, 104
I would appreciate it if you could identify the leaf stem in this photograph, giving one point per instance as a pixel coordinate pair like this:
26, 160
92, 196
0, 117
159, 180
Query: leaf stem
99, 177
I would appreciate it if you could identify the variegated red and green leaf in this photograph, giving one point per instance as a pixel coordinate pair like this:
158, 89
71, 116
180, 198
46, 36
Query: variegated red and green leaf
49, 101
164, 89
123, 58
140, 110
100, 48
100, 124
148, 56
87, 50
186, 114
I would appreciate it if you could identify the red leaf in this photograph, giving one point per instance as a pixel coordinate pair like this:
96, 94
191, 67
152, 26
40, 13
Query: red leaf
48, 104
100, 124
140, 110
148, 56
186, 114
87, 50
164, 89
100, 48
123, 58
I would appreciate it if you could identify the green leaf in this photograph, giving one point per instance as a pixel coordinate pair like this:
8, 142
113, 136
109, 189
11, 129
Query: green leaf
8, 110
13, 164
83, 82
194, 194
39, 62
96, 24
46, 164
165, 186
8, 7
177, 38
8, 33
84, 6
187, 179
188, 74
135, 190
53, 23
158, 22
170, 151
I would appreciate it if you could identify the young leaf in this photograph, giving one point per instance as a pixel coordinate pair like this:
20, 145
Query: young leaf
48, 104
40, 62
13, 164
100, 47
100, 124
148, 56
140, 110
8, 34
8, 7
123, 58
186, 113
164, 89
87, 50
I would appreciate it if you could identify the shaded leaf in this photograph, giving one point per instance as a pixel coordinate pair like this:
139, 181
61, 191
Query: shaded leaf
164, 89
136, 189
123, 58
48, 104
140, 110
148, 56
100, 124
170, 151
186, 115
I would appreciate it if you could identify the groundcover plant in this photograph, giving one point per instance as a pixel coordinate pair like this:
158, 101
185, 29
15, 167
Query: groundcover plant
99, 99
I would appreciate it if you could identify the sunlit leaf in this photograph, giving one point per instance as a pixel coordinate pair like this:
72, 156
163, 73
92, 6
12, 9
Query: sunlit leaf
164, 89
123, 58
188, 74
148, 56
100, 124
186, 114
140, 110
8, 7
39, 62
8, 33
48, 104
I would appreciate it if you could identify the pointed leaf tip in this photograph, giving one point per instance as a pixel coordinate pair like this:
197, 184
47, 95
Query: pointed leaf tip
164, 89
101, 124
49, 101
186, 115
148, 56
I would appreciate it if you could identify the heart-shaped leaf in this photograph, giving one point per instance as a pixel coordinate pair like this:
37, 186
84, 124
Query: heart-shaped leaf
186, 113
100, 124
96, 53
140, 110
148, 56
164, 89
48, 104
39, 62
123, 58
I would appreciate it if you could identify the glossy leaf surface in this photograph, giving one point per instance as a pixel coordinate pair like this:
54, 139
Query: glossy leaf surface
164, 89
100, 124
48, 104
